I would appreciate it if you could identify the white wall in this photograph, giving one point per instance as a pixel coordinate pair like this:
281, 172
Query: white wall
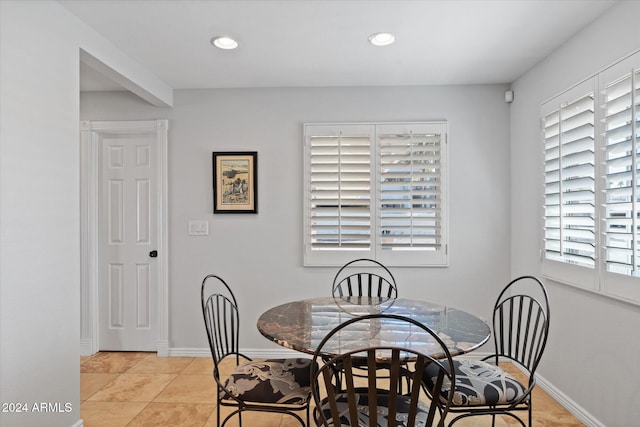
594, 342
261, 255
39, 206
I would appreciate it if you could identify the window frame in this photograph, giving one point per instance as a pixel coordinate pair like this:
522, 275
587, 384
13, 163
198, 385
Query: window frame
392, 257
598, 279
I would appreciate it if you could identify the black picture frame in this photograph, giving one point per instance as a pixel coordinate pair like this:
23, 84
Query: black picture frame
235, 182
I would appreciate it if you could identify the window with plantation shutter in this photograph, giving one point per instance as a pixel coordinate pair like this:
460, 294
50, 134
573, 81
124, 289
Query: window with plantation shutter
591, 137
340, 189
569, 216
621, 110
375, 191
410, 188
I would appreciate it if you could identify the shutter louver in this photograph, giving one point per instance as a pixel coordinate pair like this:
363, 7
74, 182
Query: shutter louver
621, 109
340, 194
376, 190
569, 217
410, 192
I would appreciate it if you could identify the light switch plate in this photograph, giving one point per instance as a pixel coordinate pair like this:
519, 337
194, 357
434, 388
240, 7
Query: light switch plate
198, 228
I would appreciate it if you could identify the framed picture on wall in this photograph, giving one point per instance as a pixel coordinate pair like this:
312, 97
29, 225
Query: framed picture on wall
235, 182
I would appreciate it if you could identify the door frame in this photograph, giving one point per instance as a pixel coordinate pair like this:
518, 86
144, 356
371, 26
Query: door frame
90, 132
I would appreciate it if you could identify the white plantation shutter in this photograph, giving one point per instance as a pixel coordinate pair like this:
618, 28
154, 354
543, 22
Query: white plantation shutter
340, 207
411, 189
620, 106
591, 136
375, 191
569, 195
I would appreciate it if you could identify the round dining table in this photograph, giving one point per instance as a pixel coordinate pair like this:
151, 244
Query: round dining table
301, 325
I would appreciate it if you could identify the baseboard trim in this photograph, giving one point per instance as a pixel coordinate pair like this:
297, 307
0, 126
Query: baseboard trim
569, 404
78, 423
566, 402
86, 347
163, 348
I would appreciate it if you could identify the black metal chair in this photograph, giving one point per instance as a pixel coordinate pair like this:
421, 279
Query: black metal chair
344, 400
520, 330
364, 277
272, 385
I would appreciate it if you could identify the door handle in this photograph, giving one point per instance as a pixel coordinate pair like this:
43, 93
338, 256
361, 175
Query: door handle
153, 254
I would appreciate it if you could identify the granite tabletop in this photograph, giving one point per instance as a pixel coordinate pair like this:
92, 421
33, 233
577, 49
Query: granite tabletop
301, 325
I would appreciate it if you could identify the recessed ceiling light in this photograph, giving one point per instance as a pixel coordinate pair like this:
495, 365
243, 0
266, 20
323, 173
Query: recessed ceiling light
224, 42
381, 39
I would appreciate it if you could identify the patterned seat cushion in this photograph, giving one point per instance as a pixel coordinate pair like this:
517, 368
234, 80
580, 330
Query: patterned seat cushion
383, 411
284, 381
479, 383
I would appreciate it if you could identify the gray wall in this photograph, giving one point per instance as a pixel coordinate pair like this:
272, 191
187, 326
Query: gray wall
261, 255
39, 206
594, 343
39, 211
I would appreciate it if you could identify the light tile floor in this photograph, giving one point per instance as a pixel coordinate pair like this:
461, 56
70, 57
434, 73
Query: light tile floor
141, 389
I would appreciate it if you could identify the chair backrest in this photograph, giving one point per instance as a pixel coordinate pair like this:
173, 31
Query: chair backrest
521, 322
364, 277
221, 319
345, 394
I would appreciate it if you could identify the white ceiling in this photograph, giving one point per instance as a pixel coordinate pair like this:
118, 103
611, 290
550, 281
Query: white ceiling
324, 42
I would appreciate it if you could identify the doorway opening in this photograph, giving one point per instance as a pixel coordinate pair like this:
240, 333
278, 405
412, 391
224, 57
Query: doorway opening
150, 278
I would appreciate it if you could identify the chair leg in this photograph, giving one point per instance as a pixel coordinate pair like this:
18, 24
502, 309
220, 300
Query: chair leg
231, 415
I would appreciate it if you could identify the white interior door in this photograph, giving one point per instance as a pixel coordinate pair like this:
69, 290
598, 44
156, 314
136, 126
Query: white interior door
128, 267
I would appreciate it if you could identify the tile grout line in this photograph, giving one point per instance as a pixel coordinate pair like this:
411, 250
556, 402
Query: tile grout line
183, 369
